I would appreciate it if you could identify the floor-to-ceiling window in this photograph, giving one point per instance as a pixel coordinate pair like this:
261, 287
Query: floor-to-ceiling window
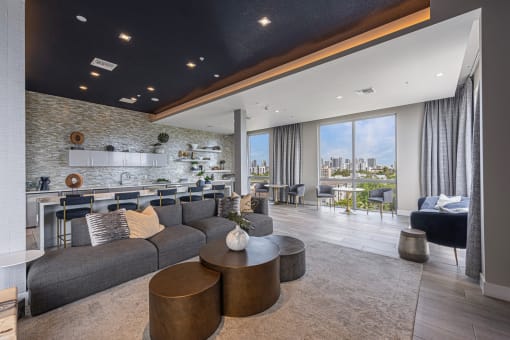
359, 153
258, 152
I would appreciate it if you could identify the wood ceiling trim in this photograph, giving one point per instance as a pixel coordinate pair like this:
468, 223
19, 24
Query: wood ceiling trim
300, 63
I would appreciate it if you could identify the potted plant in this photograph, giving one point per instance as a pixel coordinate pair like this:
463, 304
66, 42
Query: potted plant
208, 179
163, 137
200, 182
238, 238
194, 166
158, 148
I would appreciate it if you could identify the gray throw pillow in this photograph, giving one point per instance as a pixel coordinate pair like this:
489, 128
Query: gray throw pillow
229, 204
108, 227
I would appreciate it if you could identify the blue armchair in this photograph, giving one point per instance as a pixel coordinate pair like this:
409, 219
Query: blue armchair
443, 228
296, 192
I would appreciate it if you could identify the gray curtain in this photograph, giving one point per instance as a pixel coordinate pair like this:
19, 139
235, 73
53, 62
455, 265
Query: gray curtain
446, 144
474, 233
286, 165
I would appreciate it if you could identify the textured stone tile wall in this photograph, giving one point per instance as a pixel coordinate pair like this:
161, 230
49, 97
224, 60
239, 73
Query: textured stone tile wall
50, 121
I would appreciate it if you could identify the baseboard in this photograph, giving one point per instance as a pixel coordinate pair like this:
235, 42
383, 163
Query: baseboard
494, 290
401, 212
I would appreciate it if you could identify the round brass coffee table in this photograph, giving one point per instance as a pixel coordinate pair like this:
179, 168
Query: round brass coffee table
250, 278
184, 302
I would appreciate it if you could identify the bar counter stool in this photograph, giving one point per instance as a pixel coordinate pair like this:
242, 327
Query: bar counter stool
165, 201
122, 196
191, 197
216, 193
66, 214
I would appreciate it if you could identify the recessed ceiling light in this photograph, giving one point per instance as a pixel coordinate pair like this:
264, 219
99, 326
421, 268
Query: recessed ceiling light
191, 64
104, 64
134, 99
440, 74
202, 58
264, 21
83, 88
339, 97
151, 88
216, 75
94, 74
276, 111
81, 18
138, 95
125, 37
154, 99
127, 100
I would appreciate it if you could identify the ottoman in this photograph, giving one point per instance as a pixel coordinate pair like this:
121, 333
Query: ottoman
292, 257
413, 245
184, 302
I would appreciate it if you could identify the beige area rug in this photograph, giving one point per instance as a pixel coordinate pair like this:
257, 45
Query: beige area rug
345, 294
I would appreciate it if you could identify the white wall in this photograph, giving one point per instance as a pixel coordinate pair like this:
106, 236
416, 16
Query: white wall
409, 125
408, 121
12, 137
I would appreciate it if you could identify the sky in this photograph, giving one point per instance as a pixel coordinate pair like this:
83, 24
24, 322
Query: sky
259, 148
375, 138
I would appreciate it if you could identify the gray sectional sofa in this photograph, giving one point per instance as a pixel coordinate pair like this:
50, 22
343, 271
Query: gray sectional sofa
66, 275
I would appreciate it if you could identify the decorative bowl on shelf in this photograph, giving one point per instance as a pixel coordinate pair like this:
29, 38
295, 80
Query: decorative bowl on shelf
194, 146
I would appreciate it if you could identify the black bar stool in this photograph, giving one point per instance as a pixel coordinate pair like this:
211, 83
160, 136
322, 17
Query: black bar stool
216, 193
192, 198
165, 201
66, 214
121, 196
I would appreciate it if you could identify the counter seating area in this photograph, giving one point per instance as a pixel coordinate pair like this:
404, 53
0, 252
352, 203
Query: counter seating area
66, 275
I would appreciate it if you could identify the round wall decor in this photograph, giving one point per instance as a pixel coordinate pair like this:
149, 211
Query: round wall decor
77, 137
74, 181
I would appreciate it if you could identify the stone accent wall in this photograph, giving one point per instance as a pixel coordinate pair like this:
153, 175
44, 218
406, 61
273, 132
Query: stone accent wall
50, 120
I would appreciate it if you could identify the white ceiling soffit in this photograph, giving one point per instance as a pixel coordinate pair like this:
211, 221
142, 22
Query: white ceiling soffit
402, 71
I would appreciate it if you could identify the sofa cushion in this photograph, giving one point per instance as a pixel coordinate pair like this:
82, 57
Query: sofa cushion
177, 243
80, 233
197, 210
262, 224
214, 227
107, 227
169, 215
65, 275
143, 224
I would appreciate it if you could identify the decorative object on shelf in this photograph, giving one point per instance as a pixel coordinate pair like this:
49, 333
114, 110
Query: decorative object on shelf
77, 137
44, 183
200, 182
237, 239
216, 147
163, 137
194, 146
222, 164
208, 179
158, 148
194, 166
74, 181
109, 148
162, 180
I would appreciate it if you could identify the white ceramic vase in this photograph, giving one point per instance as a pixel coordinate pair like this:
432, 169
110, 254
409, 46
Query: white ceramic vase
237, 239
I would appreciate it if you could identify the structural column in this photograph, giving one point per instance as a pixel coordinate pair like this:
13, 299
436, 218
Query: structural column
240, 159
12, 138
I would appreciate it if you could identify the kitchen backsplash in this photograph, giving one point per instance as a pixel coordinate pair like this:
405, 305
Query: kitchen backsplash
50, 121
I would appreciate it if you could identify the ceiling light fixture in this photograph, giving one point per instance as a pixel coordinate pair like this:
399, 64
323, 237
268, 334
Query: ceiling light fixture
202, 58
125, 37
264, 21
440, 74
216, 75
339, 97
151, 88
276, 111
154, 99
95, 74
104, 64
83, 88
134, 99
81, 18
191, 64
127, 100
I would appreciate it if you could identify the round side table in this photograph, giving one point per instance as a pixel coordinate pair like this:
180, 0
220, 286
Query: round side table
413, 245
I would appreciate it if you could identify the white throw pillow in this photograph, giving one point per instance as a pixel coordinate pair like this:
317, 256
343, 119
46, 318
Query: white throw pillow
444, 200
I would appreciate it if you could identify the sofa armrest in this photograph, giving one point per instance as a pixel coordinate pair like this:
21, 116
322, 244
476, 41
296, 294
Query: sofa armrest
442, 228
260, 205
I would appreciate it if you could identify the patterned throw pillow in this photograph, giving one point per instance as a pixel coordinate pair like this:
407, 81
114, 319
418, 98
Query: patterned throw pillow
108, 227
246, 204
229, 204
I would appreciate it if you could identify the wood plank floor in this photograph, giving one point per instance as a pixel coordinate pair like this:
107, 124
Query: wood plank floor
450, 305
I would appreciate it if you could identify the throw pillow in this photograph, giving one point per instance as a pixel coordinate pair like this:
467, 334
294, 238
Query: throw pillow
429, 203
444, 200
144, 224
107, 227
246, 204
229, 204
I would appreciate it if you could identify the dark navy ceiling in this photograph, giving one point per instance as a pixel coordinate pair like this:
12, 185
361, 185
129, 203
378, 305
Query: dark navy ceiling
168, 34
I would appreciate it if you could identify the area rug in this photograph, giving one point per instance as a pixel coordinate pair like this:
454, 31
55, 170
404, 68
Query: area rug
345, 294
